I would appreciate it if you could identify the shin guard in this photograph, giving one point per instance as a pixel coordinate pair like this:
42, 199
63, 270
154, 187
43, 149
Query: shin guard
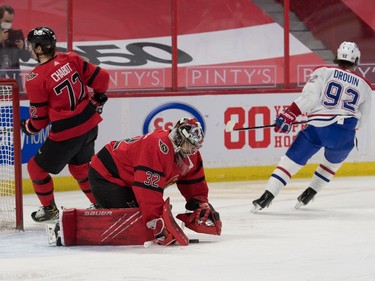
103, 227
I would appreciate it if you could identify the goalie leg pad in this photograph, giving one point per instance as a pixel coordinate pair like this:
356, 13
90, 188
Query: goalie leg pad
103, 227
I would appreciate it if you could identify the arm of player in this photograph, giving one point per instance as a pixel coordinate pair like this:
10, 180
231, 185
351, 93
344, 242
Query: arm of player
96, 78
28, 128
311, 92
39, 104
98, 100
303, 104
194, 184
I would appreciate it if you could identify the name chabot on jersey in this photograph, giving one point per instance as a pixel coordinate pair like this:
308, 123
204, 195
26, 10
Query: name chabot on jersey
61, 72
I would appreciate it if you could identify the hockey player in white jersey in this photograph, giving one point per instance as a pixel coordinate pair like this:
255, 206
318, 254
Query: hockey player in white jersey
336, 101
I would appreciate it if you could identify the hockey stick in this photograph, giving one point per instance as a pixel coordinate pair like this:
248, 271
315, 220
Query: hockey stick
150, 243
229, 127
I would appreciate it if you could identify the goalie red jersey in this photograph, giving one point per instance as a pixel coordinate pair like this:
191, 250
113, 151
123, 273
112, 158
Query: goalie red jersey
148, 164
58, 94
133, 173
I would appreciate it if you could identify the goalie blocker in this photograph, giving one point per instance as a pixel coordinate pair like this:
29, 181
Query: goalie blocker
203, 218
110, 227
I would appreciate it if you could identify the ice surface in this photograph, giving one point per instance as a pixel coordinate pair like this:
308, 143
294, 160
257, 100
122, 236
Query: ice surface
333, 238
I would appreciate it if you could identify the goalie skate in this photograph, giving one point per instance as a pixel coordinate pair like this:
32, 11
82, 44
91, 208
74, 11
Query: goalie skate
53, 234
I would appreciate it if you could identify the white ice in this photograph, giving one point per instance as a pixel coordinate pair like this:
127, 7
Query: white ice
331, 239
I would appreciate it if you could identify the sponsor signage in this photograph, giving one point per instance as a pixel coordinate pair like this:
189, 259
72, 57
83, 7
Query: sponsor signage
231, 77
128, 117
260, 147
31, 144
160, 117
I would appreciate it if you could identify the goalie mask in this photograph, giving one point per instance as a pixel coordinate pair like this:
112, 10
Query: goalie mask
187, 136
349, 51
43, 37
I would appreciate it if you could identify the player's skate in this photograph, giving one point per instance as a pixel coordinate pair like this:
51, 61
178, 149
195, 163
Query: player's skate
46, 214
53, 232
305, 197
263, 202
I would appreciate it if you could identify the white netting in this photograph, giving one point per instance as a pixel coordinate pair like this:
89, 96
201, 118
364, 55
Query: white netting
7, 171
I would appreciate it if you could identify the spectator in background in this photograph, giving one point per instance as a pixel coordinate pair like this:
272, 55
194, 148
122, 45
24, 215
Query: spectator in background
12, 46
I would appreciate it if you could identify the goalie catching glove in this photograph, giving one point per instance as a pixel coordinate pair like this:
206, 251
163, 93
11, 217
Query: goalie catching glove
98, 100
203, 219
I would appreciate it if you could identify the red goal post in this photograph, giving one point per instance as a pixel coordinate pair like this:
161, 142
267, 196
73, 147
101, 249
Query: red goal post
11, 206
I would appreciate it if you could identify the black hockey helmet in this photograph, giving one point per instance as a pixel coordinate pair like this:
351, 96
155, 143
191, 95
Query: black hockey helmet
42, 36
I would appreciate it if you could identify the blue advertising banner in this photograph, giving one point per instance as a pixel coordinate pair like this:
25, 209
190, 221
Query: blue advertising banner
31, 144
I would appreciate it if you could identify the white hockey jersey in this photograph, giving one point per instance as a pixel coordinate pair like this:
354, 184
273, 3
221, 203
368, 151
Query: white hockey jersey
333, 94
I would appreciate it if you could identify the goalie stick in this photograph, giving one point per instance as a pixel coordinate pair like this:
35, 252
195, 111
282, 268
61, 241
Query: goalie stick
229, 127
150, 243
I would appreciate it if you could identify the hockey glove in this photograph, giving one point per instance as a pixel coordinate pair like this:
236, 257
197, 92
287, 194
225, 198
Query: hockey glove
161, 234
98, 100
284, 121
204, 219
28, 128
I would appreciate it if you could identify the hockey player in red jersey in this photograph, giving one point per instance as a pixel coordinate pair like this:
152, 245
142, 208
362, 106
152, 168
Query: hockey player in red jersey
134, 172
337, 101
58, 92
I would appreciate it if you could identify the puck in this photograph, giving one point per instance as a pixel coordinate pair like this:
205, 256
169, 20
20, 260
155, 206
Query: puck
193, 241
